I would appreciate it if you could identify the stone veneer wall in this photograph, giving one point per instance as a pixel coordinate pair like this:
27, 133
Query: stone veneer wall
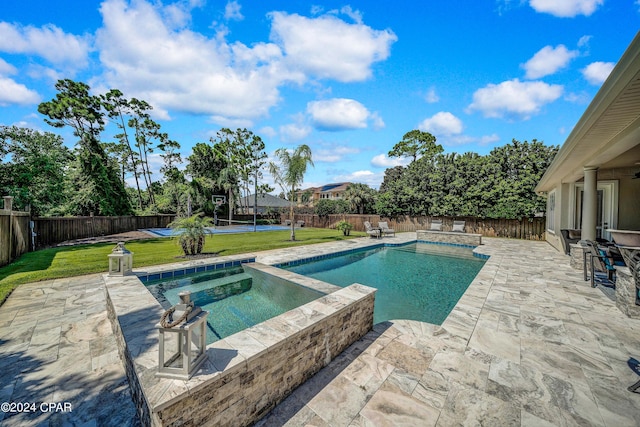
450, 237
577, 257
248, 391
626, 293
246, 374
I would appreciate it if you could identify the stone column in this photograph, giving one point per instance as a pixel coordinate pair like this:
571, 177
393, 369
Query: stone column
590, 203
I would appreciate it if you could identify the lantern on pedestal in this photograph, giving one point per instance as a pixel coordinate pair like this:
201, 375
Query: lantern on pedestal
182, 331
120, 261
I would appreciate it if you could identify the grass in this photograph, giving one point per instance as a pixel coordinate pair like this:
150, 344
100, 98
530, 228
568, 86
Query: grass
68, 261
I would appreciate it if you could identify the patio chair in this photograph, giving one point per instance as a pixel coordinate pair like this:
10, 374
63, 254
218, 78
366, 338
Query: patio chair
458, 226
384, 229
569, 237
374, 232
599, 262
436, 225
300, 223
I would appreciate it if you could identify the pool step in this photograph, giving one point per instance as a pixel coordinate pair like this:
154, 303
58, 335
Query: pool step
440, 250
205, 292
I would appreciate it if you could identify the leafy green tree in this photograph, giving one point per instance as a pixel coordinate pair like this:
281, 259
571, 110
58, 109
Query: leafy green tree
204, 166
498, 185
118, 109
416, 143
289, 173
326, 207
361, 198
515, 169
73, 106
35, 173
228, 178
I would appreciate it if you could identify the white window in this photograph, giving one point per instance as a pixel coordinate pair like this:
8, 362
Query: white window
551, 211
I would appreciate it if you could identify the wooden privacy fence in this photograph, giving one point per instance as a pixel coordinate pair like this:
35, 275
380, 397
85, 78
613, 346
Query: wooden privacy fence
50, 231
527, 228
14, 233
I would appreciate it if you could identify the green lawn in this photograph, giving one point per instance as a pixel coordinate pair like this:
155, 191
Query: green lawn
70, 261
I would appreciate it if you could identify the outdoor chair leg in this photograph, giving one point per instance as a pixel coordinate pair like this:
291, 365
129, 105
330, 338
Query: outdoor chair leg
634, 387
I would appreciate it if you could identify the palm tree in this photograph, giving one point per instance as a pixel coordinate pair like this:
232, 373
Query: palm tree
290, 173
359, 197
191, 232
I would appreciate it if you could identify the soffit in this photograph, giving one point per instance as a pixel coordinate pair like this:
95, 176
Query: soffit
609, 128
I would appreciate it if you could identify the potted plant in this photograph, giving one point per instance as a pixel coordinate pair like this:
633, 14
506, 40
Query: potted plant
344, 226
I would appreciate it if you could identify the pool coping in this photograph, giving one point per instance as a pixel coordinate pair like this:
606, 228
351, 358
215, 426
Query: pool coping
333, 322
139, 353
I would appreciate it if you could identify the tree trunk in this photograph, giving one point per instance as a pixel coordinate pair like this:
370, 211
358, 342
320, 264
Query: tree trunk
293, 218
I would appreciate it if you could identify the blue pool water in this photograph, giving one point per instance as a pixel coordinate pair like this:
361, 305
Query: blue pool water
418, 281
236, 298
168, 232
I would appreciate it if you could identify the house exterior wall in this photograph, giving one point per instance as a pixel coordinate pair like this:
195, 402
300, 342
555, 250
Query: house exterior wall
629, 206
627, 217
553, 235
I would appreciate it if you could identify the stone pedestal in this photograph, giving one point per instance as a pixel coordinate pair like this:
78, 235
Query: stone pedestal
577, 256
626, 293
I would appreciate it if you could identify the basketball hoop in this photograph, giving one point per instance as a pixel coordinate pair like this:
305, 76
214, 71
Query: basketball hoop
219, 200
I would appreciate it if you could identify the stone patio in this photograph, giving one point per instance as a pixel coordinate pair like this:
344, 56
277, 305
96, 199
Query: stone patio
530, 343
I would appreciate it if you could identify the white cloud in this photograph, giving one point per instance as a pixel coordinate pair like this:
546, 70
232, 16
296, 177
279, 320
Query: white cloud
548, 60
185, 71
372, 179
327, 47
566, 8
448, 128
431, 97
356, 15
13, 93
6, 68
294, 132
442, 124
382, 161
378, 123
597, 72
514, 98
584, 41
48, 42
232, 11
147, 54
267, 131
338, 114
334, 154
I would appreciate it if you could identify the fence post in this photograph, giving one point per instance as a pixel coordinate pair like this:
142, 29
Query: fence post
8, 205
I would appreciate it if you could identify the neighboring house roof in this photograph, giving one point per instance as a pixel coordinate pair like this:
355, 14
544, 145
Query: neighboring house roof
338, 186
266, 200
607, 135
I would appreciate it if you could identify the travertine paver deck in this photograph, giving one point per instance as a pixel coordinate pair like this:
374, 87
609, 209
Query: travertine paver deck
530, 344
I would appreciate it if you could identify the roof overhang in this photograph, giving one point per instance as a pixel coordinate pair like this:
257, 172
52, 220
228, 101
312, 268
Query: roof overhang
608, 133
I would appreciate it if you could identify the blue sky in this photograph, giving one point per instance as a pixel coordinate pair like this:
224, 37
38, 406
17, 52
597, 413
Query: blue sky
349, 79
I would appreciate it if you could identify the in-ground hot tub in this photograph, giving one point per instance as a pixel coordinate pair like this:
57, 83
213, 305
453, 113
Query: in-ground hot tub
247, 373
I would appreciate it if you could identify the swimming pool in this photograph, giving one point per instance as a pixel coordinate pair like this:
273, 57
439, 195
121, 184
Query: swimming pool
236, 298
418, 281
168, 232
